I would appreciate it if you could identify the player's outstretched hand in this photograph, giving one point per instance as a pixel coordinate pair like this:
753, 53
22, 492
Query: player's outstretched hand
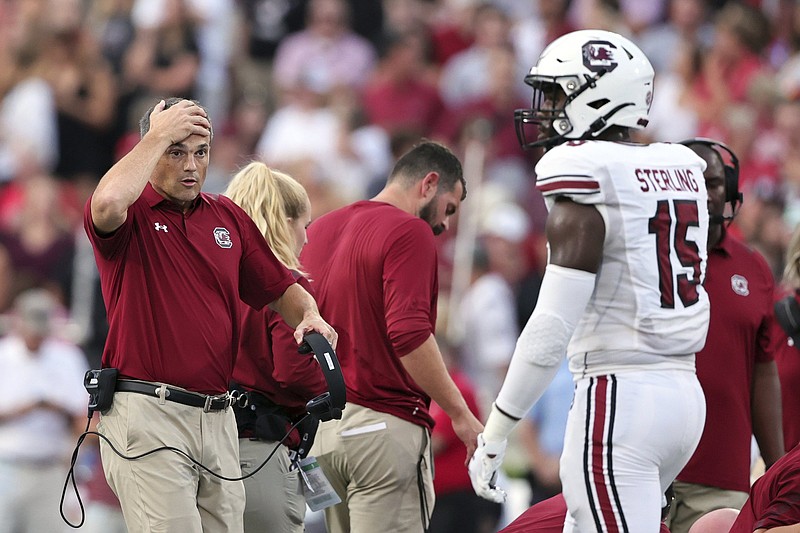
483, 469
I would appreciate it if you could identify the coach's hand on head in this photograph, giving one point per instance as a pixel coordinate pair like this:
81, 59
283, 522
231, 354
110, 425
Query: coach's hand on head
179, 121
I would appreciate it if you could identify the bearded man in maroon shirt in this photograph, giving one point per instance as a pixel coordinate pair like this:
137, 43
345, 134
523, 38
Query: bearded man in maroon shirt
374, 266
174, 264
736, 368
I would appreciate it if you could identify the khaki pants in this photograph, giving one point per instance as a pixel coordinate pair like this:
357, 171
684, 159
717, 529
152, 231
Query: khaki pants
381, 466
693, 501
165, 492
275, 500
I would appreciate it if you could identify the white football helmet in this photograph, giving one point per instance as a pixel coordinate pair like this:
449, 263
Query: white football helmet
584, 82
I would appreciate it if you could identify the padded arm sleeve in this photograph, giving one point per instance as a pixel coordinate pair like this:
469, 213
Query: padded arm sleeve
541, 346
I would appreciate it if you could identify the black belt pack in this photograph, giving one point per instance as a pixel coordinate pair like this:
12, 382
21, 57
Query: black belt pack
263, 419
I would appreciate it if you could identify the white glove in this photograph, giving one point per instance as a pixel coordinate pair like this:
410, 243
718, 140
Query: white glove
483, 467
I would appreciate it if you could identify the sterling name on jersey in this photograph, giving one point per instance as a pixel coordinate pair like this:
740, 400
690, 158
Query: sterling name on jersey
649, 305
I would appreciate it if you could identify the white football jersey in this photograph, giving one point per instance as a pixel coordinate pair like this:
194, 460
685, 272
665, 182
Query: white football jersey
648, 305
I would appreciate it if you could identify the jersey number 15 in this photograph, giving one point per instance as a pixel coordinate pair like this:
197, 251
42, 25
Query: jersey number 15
686, 251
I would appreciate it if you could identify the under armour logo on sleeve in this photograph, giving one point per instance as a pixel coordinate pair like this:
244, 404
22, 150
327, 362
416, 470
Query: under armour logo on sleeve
161, 227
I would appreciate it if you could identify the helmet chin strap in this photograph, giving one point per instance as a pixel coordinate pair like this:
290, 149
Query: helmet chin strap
601, 123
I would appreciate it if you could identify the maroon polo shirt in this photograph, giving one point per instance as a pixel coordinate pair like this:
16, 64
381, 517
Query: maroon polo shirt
172, 284
374, 268
268, 361
740, 288
774, 498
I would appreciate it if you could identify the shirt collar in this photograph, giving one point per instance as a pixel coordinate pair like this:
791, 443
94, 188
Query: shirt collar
724, 244
153, 198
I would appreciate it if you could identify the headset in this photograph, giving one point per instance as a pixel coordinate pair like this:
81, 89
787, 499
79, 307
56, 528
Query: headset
733, 195
100, 385
328, 405
787, 311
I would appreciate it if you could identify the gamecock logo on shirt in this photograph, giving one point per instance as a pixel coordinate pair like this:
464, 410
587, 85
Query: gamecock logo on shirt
739, 285
599, 55
223, 237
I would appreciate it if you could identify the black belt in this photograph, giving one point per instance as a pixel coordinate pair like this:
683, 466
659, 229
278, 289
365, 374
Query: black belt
173, 394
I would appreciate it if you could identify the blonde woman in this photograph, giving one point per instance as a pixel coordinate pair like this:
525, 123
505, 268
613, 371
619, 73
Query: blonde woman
279, 381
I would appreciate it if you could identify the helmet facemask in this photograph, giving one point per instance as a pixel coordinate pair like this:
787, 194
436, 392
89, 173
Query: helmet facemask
551, 98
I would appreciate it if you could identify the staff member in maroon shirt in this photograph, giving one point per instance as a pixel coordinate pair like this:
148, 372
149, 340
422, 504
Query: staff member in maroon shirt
374, 268
279, 381
174, 265
736, 367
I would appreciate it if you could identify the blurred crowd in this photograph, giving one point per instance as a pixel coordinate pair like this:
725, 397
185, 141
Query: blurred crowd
333, 91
